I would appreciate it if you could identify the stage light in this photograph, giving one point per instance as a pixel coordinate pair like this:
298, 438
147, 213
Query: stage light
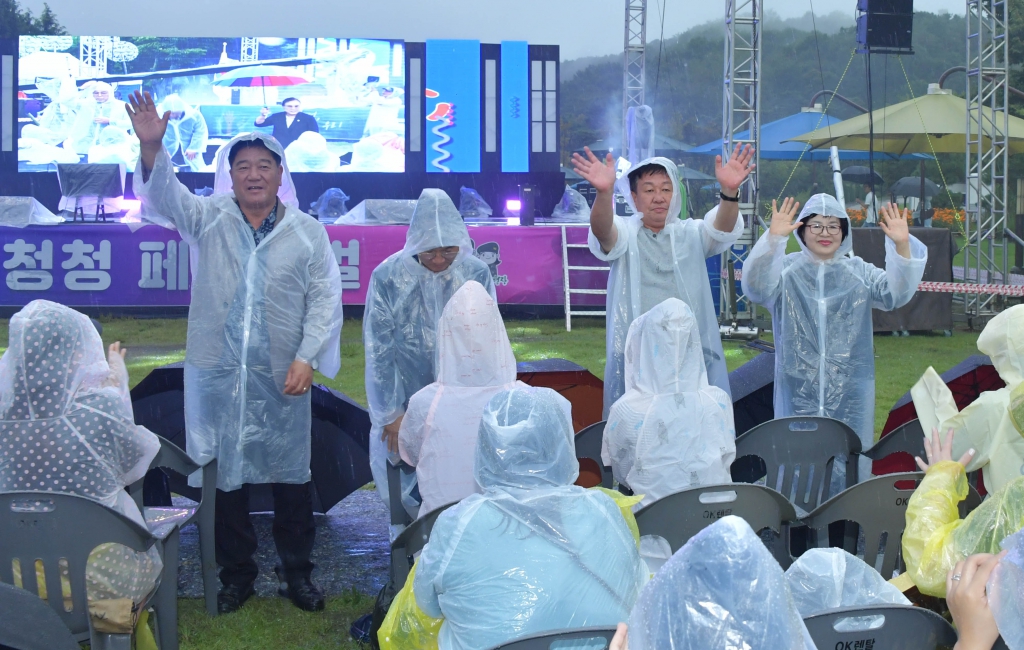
127, 205
513, 205
512, 221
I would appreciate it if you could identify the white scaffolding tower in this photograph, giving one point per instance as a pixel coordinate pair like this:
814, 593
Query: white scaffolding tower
741, 112
985, 224
92, 55
250, 50
633, 73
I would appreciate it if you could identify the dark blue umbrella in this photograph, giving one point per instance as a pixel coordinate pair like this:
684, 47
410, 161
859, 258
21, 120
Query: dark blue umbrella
774, 145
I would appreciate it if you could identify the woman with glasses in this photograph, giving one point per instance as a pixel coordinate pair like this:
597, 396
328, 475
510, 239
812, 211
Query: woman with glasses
821, 300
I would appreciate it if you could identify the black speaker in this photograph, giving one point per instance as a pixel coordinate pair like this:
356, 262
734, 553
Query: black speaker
885, 25
527, 198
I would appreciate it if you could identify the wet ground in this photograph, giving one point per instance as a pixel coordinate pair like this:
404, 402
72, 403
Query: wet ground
351, 550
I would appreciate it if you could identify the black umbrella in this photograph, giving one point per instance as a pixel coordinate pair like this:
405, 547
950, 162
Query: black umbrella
911, 186
861, 175
340, 431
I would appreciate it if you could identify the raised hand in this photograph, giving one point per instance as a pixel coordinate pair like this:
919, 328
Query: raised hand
939, 450
732, 174
968, 603
896, 227
784, 221
601, 175
147, 123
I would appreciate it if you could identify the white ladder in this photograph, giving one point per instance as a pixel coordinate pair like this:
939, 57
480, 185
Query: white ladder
569, 291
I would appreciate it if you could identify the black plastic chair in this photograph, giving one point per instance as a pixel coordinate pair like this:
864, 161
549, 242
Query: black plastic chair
400, 514
410, 542
60, 531
899, 627
548, 639
173, 458
30, 624
680, 516
798, 455
879, 507
588, 446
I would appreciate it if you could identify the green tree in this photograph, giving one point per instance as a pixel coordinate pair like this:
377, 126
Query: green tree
15, 21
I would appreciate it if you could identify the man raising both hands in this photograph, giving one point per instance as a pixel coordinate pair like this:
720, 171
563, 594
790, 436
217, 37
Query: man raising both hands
655, 255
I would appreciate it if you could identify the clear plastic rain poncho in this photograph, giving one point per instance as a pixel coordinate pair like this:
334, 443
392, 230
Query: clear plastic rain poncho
670, 430
55, 121
533, 553
403, 306
309, 153
91, 117
693, 240
821, 317
722, 589
992, 425
935, 538
1006, 593
186, 133
115, 147
62, 402
255, 310
439, 431
829, 578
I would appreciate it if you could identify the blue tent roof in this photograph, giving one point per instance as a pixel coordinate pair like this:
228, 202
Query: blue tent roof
774, 145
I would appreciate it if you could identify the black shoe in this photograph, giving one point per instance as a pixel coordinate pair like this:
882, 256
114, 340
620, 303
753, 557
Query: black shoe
232, 597
304, 594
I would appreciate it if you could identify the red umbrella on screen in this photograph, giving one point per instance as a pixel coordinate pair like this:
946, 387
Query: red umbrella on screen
261, 76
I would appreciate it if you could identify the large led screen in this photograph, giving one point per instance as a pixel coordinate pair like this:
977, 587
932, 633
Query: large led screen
335, 104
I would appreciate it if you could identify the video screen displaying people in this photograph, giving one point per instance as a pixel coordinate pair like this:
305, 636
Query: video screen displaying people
335, 104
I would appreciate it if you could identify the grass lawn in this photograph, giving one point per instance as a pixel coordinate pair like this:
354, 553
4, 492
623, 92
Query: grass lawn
275, 623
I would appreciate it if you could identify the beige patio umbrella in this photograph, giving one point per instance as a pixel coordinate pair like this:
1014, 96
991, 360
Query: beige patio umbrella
905, 128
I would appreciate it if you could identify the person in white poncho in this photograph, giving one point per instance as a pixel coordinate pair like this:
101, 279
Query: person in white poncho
66, 425
671, 430
439, 430
821, 302
654, 255
265, 312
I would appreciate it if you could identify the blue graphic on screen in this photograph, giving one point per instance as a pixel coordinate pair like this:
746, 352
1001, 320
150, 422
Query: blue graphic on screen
515, 116
453, 106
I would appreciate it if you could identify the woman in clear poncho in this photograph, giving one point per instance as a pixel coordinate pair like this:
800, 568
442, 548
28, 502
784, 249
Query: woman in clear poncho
439, 431
61, 402
671, 430
993, 424
821, 302
935, 538
98, 110
404, 301
722, 589
533, 553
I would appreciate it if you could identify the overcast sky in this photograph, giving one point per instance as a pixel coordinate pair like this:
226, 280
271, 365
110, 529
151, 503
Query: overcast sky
580, 27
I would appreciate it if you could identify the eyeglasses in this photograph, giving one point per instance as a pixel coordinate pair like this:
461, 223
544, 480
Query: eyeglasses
818, 228
448, 253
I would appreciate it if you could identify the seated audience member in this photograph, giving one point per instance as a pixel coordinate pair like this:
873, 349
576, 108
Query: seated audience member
828, 578
985, 593
309, 153
60, 399
533, 553
993, 424
722, 589
936, 538
671, 430
439, 430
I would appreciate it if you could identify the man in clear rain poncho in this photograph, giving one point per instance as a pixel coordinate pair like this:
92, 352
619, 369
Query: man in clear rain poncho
61, 399
722, 589
404, 302
186, 133
821, 301
533, 553
266, 312
670, 430
94, 113
655, 255
439, 430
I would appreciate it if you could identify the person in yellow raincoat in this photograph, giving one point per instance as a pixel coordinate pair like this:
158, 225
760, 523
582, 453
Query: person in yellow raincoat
994, 423
935, 538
